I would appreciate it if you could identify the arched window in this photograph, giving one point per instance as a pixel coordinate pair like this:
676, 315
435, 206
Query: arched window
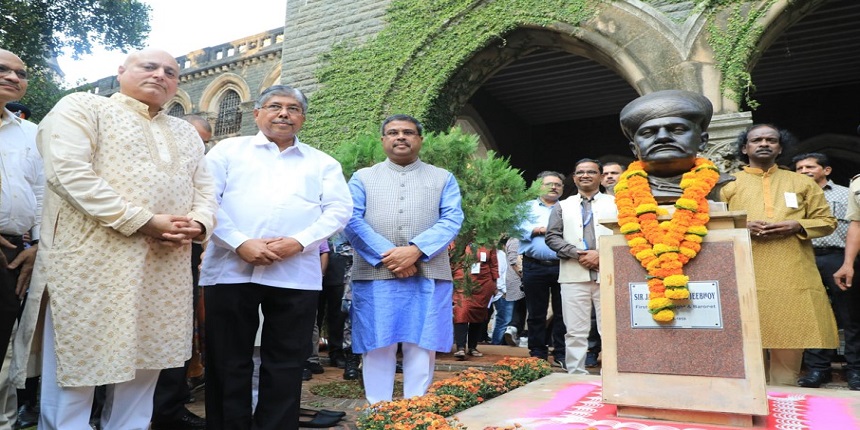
176, 110
229, 116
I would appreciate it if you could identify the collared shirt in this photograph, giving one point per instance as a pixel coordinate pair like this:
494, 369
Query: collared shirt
22, 180
837, 198
535, 246
299, 192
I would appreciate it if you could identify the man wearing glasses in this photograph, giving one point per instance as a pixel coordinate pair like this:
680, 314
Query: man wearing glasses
280, 199
540, 272
572, 233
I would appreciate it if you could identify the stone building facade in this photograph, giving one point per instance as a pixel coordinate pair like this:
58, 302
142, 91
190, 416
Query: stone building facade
557, 87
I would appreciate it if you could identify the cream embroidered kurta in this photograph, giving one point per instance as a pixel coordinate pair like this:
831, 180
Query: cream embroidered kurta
119, 300
793, 305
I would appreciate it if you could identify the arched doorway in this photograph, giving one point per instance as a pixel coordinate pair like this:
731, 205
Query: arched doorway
808, 81
549, 108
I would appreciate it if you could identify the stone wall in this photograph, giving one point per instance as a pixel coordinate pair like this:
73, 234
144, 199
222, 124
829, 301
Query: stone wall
314, 26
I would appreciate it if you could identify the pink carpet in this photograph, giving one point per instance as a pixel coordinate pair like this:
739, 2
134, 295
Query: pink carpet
579, 406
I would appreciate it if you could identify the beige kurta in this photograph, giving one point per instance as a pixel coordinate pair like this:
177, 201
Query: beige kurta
119, 300
793, 305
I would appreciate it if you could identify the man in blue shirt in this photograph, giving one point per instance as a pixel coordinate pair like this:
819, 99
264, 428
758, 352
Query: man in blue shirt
540, 272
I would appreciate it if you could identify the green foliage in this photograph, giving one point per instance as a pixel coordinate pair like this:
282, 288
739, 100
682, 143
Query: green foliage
38, 30
492, 191
405, 68
735, 45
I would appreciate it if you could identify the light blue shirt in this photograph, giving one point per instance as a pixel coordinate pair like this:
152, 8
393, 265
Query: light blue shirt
535, 247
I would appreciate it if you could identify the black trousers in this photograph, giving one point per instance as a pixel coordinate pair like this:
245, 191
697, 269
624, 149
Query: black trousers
518, 316
846, 308
468, 331
10, 306
231, 325
540, 284
329, 312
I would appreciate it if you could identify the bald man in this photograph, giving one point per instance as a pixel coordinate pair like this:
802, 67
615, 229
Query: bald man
127, 193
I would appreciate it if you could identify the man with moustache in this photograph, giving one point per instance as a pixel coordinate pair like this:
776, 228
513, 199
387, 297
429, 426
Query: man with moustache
279, 200
540, 272
572, 233
785, 211
127, 192
405, 214
844, 278
21, 189
829, 256
612, 170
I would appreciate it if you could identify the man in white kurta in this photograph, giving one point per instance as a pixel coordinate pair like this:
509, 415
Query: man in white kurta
127, 191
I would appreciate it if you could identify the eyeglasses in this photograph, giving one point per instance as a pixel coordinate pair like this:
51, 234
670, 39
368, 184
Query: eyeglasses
20, 73
276, 108
407, 132
553, 185
586, 172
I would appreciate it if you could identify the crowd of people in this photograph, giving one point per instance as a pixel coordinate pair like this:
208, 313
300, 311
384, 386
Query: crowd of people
108, 297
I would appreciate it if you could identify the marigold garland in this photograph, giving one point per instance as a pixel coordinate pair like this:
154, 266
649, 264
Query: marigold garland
663, 248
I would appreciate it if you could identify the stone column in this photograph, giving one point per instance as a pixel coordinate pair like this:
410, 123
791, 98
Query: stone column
723, 132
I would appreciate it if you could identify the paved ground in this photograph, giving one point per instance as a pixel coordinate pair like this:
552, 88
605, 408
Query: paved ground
446, 366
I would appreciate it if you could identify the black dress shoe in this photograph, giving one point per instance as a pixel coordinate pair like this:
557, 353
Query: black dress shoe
28, 416
186, 421
314, 367
853, 379
815, 378
307, 375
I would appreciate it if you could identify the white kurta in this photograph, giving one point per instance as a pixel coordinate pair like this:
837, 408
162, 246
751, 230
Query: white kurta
119, 300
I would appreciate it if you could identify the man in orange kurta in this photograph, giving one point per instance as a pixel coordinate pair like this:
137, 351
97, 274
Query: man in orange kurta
784, 211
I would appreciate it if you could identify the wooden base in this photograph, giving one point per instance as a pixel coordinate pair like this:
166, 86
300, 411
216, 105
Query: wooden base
701, 417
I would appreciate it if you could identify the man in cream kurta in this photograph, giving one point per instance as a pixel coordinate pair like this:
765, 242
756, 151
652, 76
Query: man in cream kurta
784, 211
127, 191
572, 233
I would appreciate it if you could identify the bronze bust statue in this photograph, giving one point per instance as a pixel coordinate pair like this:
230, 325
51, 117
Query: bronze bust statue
667, 129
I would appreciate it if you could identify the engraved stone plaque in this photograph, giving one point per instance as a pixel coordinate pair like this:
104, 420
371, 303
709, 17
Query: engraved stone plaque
701, 311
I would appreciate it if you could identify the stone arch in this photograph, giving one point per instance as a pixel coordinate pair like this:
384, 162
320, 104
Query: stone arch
633, 39
215, 90
781, 15
182, 99
272, 78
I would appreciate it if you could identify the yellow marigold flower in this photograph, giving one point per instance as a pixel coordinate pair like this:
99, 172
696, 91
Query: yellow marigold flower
641, 255
693, 238
662, 211
661, 248
698, 230
688, 204
637, 242
687, 181
665, 315
661, 303
621, 186
677, 293
646, 208
627, 174
676, 281
665, 225
630, 227
689, 253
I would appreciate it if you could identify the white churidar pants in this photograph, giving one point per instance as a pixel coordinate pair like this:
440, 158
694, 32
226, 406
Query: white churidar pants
128, 405
379, 366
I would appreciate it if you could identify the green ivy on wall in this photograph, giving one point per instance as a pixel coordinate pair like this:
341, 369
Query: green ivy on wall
404, 68
735, 45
